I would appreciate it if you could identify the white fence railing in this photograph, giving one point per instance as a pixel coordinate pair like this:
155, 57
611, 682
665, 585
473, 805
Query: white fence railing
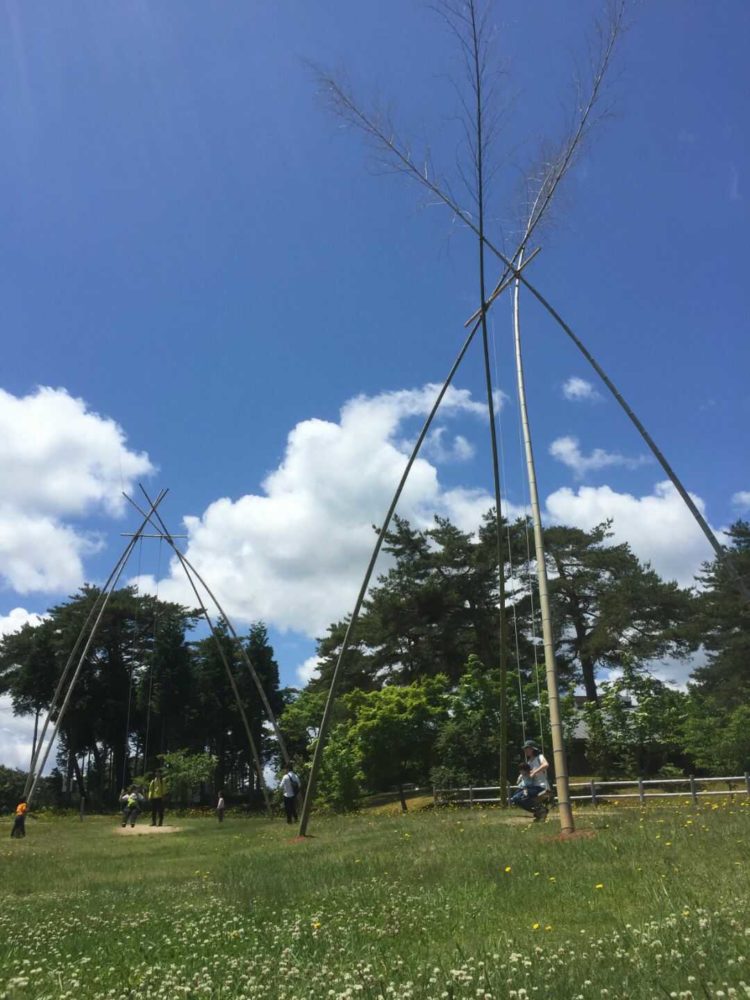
598, 791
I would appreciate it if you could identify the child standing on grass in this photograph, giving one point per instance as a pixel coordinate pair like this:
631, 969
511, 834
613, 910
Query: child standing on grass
19, 823
220, 806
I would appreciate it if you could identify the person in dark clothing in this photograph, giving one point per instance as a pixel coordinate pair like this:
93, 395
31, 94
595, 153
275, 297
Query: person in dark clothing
290, 790
19, 823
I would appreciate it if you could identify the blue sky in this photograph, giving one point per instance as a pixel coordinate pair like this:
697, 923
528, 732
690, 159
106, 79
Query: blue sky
194, 249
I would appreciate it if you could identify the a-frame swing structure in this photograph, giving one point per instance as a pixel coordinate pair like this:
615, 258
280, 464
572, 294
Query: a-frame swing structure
468, 24
150, 516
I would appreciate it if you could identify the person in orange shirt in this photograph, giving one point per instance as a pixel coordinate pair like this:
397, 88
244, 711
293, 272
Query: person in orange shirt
19, 826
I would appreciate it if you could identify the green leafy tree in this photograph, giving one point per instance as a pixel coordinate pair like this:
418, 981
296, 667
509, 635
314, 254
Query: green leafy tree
611, 609
262, 656
103, 717
341, 774
186, 772
716, 737
722, 624
395, 730
635, 726
220, 727
12, 781
436, 606
300, 720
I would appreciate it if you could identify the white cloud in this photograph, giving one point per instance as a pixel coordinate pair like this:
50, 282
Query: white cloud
579, 390
16, 732
16, 735
307, 670
741, 500
659, 527
16, 620
294, 554
60, 461
677, 672
567, 450
457, 450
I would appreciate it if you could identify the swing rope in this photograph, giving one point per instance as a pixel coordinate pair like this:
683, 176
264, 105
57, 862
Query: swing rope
510, 553
130, 678
531, 581
153, 658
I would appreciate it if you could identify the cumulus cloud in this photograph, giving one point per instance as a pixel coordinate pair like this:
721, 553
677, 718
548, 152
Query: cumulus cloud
741, 500
568, 451
440, 451
16, 620
659, 527
16, 732
60, 461
294, 554
307, 670
578, 390
16, 735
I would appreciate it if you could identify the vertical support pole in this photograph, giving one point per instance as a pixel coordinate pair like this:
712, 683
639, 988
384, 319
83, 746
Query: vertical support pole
553, 691
693, 791
641, 791
593, 794
471, 797
747, 783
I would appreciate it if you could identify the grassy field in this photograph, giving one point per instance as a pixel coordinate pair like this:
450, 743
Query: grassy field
431, 905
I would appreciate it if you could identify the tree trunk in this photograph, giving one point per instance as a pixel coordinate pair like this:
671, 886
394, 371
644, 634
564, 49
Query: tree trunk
402, 797
79, 775
589, 680
36, 732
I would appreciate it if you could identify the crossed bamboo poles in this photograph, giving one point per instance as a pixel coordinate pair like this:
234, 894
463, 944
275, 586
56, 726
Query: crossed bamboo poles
60, 701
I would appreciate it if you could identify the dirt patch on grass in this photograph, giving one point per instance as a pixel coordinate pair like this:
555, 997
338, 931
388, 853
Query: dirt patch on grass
572, 835
140, 831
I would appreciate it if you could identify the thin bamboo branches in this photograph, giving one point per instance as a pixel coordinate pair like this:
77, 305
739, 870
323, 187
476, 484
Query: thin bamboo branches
381, 131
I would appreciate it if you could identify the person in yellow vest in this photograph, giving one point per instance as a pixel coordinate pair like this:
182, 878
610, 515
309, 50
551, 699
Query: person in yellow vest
19, 824
131, 802
157, 791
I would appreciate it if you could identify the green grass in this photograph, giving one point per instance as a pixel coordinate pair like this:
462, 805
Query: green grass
448, 904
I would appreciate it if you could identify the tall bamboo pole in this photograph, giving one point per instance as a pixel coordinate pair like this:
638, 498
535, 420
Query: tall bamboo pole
477, 69
558, 742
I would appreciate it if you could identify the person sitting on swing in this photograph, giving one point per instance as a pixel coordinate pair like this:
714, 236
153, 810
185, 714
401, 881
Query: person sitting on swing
131, 806
526, 789
534, 783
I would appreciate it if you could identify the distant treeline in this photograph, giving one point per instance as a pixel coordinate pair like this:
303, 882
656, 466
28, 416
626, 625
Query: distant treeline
421, 692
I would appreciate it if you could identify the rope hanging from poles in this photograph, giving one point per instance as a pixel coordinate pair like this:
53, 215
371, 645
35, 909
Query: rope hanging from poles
126, 753
153, 659
507, 532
